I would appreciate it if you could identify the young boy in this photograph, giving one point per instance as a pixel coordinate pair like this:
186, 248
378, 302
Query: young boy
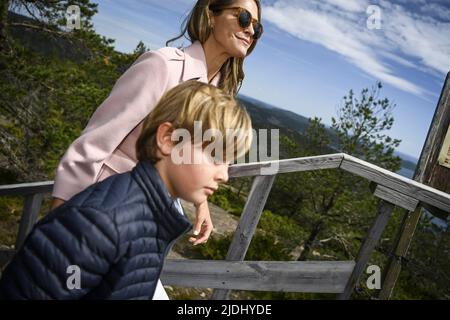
110, 240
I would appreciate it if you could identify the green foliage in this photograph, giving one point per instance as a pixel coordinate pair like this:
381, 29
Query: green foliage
361, 125
215, 249
220, 200
274, 239
263, 247
9, 217
47, 99
283, 229
266, 247
228, 200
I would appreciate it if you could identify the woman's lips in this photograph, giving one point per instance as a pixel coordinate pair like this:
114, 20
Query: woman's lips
247, 43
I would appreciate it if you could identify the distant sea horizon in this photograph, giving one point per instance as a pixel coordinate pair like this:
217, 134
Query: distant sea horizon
404, 171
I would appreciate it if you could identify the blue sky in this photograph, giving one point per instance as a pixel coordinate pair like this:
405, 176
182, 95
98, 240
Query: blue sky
313, 52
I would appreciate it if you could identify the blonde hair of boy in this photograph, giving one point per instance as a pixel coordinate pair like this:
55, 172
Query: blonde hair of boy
194, 101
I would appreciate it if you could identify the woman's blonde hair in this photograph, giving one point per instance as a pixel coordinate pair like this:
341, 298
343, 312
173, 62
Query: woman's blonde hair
194, 101
198, 27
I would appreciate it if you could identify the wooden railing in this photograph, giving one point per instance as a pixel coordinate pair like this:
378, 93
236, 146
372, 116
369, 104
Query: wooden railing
297, 276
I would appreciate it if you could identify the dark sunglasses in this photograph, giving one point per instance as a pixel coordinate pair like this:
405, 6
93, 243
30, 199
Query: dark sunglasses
244, 20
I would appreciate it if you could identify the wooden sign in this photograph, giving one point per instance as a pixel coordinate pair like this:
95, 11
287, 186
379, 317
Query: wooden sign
444, 155
432, 168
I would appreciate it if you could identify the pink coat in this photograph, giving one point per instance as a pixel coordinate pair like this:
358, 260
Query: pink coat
107, 144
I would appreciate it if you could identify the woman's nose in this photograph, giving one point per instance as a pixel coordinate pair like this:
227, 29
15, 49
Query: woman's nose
250, 30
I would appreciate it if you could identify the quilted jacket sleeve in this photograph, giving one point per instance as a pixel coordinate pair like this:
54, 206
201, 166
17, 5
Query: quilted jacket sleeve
76, 243
132, 98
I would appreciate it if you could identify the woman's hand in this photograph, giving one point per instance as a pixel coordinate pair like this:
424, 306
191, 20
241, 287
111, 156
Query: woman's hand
203, 224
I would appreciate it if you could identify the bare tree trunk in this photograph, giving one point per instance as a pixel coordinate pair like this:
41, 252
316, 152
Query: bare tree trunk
309, 243
240, 188
298, 203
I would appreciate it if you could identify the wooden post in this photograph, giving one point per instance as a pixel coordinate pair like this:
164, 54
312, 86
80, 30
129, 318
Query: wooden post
429, 172
403, 242
367, 247
247, 224
29, 217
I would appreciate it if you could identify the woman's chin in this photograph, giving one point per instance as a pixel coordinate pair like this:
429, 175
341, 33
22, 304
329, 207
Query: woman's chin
238, 52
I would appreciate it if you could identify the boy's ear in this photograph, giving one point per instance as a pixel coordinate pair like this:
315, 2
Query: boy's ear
163, 138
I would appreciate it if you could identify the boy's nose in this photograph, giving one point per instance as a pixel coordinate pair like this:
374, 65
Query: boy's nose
222, 174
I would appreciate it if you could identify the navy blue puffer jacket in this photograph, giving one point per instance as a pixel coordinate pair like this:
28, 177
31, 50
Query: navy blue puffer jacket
117, 232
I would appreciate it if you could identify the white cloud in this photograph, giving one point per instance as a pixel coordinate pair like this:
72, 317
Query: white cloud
423, 38
436, 10
419, 42
349, 5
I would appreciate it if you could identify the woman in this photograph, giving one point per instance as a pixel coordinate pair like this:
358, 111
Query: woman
222, 33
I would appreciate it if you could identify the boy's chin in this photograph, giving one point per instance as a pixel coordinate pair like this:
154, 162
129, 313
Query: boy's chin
200, 200
196, 200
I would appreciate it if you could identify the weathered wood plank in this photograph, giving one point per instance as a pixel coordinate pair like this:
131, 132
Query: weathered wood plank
250, 217
247, 224
328, 161
397, 182
26, 188
367, 247
397, 198
6, 256
400, 249
29, 217
286, 276
427, 171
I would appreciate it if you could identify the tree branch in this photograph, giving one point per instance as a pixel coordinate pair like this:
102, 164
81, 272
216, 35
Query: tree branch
31, 26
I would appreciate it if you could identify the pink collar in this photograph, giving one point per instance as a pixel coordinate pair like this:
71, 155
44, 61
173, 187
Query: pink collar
195, 64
